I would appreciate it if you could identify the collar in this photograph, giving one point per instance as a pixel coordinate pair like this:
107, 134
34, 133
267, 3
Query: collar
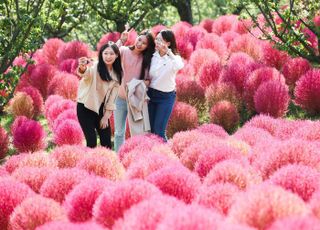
157, 54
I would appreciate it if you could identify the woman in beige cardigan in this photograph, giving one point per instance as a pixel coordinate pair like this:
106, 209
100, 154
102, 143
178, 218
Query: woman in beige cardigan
97, 92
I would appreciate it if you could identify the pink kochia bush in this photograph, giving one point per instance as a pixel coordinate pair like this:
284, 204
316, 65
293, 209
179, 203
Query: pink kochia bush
225, 114
56, 108
36, 99
32, 176
209, 72
38, 160
61, 182
183, 117
138, 217
106, 164
79, 202
29, 136
36, 211
65, 85
292, 151
300, 179
68, 156
12, 193
273, 57
307, 91
231, 171
50, 49
176, 181
296, 223
74, 49
199, 56
69, 65
112, 36
272, 98
4, 142
115, 200
261, 205
51, 100
219, 196
214, 42
193, 217
68, 132
67, 114
189, 91
315, 204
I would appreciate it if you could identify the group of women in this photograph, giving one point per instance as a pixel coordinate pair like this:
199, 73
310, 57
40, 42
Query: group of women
123, 80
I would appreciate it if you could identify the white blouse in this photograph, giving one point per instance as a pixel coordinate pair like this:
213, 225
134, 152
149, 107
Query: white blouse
163, 71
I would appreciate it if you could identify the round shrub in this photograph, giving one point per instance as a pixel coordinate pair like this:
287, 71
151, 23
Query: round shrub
74, 50
255, 79
219, 196
111, 36
52, 99
12, 162
199, 57
229, 36
29, 136
209, 73
189, 91
264, 122
65, 85
224, 23
68, 156
214, 42
252, 135
12, 193
183, 117
207, 24
194, 34
307, 91
176, 181
65, 115
222, 91
69, 66
56, 108
293, 69
273, 57
115, 200
308, 131
248, 44
261, 205
296, 223
185, 48
79, 202
272, 98
69, 132
63, 225
231, 171
60, 182
315, 204
34, 212
213, 129
225, 114
299, 179
50, 50
37, 100
21, 105
38, 160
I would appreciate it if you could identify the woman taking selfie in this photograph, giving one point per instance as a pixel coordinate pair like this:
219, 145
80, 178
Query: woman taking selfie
165, 64
97, 92
136, 61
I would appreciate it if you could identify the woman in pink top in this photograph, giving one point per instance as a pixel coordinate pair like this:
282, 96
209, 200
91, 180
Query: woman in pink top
135, 61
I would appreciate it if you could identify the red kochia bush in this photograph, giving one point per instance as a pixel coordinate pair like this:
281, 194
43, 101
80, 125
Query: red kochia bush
183, 117
293, 69
225, 23
29, 136
255, 79
198, 58
225, 113
69, 65
50, 50
194, 34
4, 142
296, 223
207, 24
40, 77
68, 156
229, 36
307, 91
209, 72
273, 57
189, 91
214, 42
74, 49
68, 132
248, 44
185, 48
272, 98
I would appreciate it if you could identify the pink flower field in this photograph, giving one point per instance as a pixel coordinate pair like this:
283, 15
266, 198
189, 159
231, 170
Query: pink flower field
218, 169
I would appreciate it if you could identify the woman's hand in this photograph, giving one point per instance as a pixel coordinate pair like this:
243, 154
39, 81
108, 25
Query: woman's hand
125, 34
147, 82
104, 120
83, 62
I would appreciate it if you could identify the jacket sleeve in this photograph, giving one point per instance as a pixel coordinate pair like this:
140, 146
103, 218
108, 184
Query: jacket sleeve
177, 62
109, 103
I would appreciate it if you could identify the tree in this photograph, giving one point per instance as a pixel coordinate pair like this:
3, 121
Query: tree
289, 26
184, 8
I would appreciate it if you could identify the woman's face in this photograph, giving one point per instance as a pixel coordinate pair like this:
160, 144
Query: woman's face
160, 42
141, 43
109, 56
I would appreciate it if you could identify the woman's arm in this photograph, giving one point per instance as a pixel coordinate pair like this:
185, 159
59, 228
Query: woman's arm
109, 106
83, 70
176, 59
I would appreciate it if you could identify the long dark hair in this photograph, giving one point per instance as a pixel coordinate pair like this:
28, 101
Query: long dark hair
102, 68
168, 36
147, 53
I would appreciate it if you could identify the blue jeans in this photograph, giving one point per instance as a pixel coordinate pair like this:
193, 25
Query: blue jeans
160, 107
120, 116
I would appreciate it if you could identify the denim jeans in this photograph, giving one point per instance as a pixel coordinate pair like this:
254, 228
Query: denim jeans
120, 116
160, 107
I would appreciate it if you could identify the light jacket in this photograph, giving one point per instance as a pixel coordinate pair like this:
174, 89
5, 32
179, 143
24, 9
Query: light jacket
93, 91
138, 116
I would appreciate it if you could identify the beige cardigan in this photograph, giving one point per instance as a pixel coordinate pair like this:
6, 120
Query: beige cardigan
93, 90
137, 99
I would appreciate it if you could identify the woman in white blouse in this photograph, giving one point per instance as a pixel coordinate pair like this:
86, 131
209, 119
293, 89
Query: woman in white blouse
97, 92
165, 64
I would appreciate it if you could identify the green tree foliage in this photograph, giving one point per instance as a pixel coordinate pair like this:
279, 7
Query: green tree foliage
288, 24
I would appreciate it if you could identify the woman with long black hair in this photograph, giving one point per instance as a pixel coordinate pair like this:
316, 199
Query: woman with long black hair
97, 92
